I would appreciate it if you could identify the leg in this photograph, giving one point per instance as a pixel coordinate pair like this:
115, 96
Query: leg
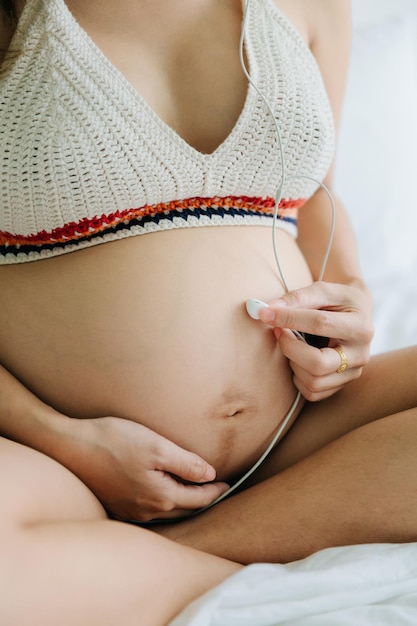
359, 488
386, 387
62, 562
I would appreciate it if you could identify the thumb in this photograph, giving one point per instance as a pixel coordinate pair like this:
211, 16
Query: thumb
187, 465
286, 339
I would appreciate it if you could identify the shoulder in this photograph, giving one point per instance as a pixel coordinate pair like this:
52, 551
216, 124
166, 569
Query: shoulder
329, 26
328, 14
330, 39
325, 26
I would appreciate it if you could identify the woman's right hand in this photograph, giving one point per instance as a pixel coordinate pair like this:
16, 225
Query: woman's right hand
136, 473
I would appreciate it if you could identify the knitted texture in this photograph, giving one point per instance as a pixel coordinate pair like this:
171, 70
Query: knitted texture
84, 159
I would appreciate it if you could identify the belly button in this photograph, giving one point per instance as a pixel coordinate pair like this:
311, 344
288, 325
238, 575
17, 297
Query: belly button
233, 405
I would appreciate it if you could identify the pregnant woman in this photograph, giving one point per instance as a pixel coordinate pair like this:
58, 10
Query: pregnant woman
138, 174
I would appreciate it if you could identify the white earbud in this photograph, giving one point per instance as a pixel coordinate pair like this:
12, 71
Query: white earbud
253, 306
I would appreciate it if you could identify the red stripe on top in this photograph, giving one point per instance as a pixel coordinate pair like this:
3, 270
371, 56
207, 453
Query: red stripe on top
88, 226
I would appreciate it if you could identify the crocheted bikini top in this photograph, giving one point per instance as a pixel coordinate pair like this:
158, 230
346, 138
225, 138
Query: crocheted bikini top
85, 160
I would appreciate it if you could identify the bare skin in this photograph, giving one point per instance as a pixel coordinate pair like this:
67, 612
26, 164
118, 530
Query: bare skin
353, 438
71, 565
109, 322
316, 504
345, 474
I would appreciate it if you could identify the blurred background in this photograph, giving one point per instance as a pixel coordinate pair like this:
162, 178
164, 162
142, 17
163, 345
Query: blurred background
376, 164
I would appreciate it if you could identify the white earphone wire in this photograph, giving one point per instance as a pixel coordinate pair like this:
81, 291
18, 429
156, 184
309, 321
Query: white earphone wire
278, 197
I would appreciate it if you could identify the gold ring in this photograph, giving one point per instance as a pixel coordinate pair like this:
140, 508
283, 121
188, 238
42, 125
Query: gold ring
343, 360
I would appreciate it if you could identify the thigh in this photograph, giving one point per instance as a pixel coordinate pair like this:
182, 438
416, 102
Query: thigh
63, 562
386, 387
35, 489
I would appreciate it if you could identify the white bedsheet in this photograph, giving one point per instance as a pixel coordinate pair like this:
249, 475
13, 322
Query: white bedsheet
358, 585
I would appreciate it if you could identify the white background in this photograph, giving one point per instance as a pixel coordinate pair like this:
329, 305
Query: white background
370, 11
376, 165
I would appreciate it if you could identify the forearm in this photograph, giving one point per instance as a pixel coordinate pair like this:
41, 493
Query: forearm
27, 420
313, 235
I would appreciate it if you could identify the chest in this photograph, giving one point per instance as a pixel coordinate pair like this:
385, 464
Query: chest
129, 119
182, 58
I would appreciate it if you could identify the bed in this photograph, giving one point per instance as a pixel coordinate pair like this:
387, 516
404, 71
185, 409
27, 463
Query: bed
376, 178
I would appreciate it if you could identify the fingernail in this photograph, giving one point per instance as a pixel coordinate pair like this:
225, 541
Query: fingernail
277, 333
280, 302
209, 475
266, 315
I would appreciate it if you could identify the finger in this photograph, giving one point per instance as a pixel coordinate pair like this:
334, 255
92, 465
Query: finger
180, 500
191, 497
184, 464
315, 371
314, 387
313, 393
317, 361
335, 311
320, 295
343, 326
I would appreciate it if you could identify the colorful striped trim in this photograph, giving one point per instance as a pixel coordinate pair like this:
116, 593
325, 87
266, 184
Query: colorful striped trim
149, 218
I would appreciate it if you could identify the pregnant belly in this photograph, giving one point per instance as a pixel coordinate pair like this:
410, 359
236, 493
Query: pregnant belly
154, 329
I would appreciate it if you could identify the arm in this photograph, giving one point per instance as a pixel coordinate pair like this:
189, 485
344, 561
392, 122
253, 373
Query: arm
134, 472
131, 469
341, 307
330, 44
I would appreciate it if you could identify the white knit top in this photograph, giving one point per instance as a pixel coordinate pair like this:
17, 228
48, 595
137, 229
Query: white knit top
85, 160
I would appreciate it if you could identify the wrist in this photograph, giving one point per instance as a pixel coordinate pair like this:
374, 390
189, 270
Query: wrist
58, 436
355, 281
45, 428
39, 426
360, 284
26, 419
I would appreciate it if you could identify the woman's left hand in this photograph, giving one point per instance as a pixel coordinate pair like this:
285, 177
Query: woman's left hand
343, 314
